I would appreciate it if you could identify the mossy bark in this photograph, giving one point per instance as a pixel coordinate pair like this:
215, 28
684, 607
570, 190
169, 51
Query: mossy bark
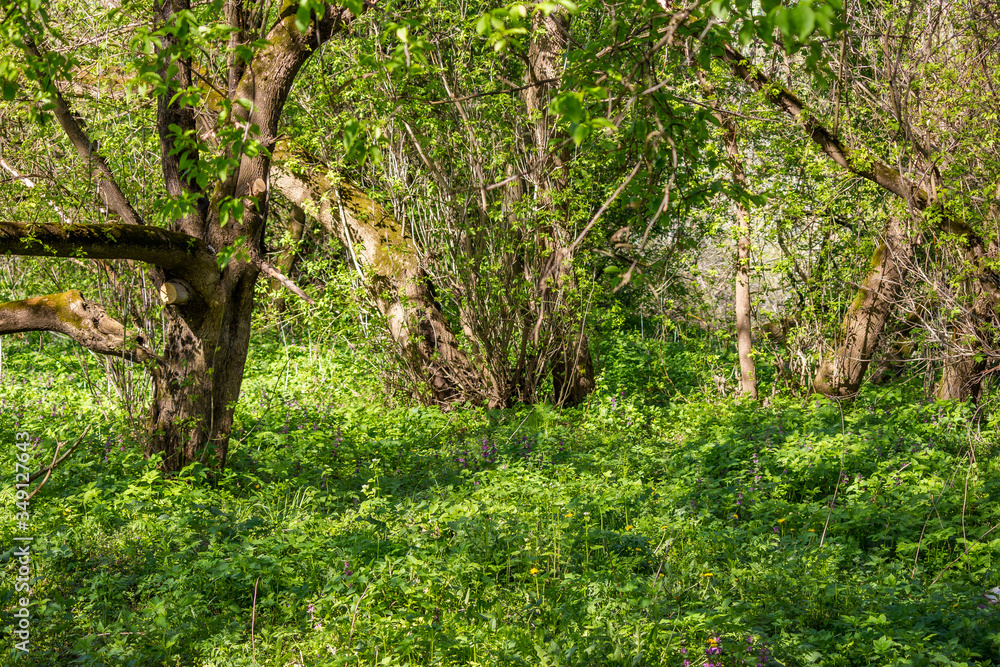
387, 257
865, 320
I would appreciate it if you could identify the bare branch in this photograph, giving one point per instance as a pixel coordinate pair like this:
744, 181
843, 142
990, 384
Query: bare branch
284, 280
87, 151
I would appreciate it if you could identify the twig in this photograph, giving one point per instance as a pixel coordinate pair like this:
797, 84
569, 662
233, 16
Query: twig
604, 206
253, 619
453, 100
48, 470
286, 282
946, 567
354, 616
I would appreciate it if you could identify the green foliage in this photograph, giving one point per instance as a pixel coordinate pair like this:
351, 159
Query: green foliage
655, 524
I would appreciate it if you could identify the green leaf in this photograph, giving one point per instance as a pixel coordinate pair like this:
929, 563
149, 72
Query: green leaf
802, 17
483, 25
302, 16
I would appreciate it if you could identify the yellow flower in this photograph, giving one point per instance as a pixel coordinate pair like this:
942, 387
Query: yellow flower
812, 530
736, 516
534, 570
707, 574
713, 642
781, 520
628, 527
569, 515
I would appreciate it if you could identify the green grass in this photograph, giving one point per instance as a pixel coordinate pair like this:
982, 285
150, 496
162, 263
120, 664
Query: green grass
656, 524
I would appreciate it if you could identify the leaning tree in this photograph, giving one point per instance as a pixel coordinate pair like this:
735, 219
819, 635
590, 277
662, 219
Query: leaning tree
219, 87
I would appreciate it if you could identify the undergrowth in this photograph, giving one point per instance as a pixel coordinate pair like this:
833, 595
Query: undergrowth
657, 524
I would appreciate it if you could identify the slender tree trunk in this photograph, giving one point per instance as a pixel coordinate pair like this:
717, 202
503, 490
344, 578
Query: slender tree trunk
569, 353
742, 310
744, 339
286, 260
866, 318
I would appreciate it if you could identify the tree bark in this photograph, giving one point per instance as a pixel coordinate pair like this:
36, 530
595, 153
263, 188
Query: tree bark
390, 263
570, 359
868, 313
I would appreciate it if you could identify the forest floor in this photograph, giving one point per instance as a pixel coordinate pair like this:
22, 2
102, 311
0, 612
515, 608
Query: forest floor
658, 524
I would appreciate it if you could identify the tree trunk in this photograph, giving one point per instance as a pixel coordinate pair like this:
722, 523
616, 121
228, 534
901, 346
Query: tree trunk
197, 383
865, 319
744, 339
390, 264
569, 349
961, 379
965, 362
286, 260
741, 306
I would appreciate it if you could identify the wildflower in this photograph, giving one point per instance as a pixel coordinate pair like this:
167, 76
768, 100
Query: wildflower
812, 530
782, 520
628, 527
707, 574
569, 515
534, 570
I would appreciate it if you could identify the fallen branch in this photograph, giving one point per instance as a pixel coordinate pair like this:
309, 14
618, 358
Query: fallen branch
48, 469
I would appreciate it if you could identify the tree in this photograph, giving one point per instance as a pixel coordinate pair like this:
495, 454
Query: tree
217, 121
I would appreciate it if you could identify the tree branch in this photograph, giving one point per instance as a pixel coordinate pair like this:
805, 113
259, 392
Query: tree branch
286, 282
170, 115
70, 314
99, 169
864, 165
182, 255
